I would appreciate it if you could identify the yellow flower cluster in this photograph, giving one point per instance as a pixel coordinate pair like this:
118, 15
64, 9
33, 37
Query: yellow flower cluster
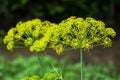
47, 76
35, 77
35, 34
74, 32
52, 76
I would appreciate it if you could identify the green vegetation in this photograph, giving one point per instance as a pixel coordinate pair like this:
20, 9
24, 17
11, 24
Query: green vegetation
22, 67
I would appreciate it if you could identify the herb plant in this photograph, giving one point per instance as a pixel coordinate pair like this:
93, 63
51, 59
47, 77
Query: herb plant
78, 33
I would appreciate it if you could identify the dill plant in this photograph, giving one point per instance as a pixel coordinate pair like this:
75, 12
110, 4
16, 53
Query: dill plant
78, 33
84, 34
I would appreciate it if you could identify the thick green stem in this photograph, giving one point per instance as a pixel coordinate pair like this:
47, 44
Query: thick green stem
81, 62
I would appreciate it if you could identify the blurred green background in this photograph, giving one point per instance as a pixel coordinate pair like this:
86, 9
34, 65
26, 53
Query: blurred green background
20, 67
13, 11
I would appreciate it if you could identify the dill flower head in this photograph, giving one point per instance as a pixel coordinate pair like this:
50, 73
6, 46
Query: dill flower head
34, 77
52, 76
85, 33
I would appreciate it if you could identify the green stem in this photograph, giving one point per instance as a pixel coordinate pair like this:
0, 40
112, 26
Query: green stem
40, 64
81, 61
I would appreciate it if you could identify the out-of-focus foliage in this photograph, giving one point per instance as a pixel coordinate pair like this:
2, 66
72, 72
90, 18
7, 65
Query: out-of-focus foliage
12, 11
2, 34
22, 67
